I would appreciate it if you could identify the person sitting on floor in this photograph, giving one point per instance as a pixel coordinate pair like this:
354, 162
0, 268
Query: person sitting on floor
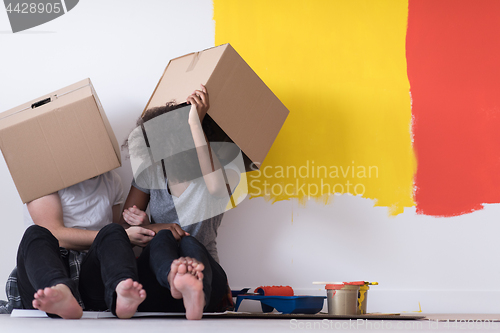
73, 257
187, 193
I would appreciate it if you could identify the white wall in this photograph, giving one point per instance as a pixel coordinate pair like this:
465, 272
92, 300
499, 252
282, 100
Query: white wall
448, 265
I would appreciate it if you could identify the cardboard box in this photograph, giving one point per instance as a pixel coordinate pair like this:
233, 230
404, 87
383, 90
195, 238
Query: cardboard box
57, 140
240, 102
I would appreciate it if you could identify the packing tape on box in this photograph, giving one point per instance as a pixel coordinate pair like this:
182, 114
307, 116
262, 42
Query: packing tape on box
192, 65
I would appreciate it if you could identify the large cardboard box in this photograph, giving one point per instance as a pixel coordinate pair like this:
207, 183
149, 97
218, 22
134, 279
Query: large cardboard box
57, 140
240, 102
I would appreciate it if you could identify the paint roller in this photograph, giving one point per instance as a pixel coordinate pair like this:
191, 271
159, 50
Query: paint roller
274, 290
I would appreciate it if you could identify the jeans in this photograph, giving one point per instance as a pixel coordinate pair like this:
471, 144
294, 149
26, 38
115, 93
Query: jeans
109, 261
154, 266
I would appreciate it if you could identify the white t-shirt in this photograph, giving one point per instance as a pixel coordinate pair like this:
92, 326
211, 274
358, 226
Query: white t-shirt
88, 205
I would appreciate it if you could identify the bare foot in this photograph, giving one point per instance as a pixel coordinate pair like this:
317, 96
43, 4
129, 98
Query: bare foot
129, 294
192, 266
58, 300
191, 288
173, 272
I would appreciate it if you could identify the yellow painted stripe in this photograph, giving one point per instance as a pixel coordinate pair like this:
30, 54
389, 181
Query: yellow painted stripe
340, 68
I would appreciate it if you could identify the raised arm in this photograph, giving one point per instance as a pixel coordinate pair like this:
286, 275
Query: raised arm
209, 163
47, 212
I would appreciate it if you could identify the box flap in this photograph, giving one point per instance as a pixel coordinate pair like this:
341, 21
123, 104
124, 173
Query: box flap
244, 107
184, 74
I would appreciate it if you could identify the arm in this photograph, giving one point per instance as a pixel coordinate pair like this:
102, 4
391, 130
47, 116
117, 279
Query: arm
209, 163
116, 213
134, 216
173, 227
134, 207
138, 235
47, 212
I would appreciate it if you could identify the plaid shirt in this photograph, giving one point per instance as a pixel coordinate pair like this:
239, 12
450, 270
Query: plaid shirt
75, 259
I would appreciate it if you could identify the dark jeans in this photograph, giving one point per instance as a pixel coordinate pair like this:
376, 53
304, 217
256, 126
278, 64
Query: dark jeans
154, 266
109, 260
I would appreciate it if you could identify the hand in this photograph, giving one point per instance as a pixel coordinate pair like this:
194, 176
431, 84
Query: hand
199, 104
140, 236
173, 227
135, 216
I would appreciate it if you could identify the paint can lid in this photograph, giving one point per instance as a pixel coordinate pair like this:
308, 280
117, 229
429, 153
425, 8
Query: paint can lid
334, 286
355, 283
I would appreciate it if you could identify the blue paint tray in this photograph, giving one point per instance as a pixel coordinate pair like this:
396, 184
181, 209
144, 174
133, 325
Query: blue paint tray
286, 304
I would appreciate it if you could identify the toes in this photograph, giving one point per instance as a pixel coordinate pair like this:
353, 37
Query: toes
182, 269
128, 283
197, 265
36, 304
124, 285
46, 292
175, 266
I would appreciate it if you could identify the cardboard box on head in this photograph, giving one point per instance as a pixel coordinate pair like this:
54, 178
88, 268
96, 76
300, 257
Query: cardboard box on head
240, 102
57, 140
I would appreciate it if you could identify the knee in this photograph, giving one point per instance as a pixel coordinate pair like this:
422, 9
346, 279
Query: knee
189, 241
37, 233
164, 234
162, 238
36, 229
112, 229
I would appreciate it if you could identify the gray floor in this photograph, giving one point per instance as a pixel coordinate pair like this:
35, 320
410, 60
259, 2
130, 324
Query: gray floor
463, 322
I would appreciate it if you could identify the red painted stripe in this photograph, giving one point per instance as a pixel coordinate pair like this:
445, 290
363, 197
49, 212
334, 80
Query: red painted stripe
453, 55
